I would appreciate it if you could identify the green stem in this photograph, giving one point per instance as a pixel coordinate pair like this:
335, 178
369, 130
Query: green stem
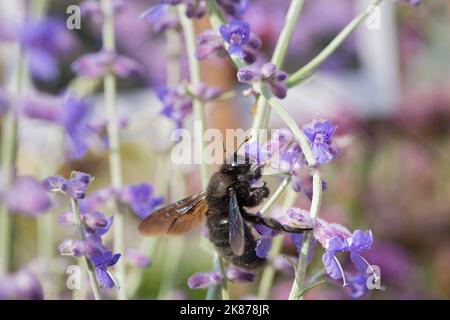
297, 286
8, 165
306, 70
317, 187
262, 109
115, 166
82, 234
268, 274
194, 70
275, 196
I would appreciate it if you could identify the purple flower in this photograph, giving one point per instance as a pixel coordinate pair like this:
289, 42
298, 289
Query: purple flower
97, 199
357, 285
137, 258
235, 8
92, 8
45, 41
177, 104
161, 18
22, 285
74, 248
236, 34
78, 184
268, 74
96, 65
42, 107
194, 8
73, 119
205, 92
141, 198
96, 223
264, 243
102, 258
210, 44
336, 238
55, 183
239, 275
413, 2
28, 196
319, 134
202, 280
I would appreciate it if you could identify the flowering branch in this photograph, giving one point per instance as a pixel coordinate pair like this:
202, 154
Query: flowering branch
302, 139
269, 272
262, 111
82, 235
306, 70
110, 92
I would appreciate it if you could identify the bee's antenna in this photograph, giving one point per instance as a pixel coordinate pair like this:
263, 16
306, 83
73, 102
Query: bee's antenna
239, 147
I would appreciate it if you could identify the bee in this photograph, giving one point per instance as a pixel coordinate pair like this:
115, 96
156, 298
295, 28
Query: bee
224, 207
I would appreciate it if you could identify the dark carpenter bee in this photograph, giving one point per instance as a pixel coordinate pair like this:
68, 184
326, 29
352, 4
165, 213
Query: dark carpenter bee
223, 205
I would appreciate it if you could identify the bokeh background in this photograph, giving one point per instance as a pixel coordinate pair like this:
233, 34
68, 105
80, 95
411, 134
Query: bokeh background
387, 89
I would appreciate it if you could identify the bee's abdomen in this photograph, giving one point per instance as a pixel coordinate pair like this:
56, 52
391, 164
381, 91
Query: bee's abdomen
219, 235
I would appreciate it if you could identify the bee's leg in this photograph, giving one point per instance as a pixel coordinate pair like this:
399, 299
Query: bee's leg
272, 223
257, 196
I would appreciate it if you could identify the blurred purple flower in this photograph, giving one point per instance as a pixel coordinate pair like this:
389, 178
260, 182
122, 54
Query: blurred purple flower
141, 199
413, 2
209, 44
73, 248
96, 199
202, 280
357, 285
73, 119
78, 184
235, 8
41, 106
319, 133
268, 74
92, 7
236, 274
236, 34
22, 285
161, 18
55, 183
28, 196
137, 258
46, 41
96, 65
177, 104
205, 92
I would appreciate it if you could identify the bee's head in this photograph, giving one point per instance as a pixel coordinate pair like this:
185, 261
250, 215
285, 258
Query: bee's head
237, 164
242, 164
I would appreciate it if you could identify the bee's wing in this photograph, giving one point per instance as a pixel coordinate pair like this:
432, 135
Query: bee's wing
176, 218
236, 235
